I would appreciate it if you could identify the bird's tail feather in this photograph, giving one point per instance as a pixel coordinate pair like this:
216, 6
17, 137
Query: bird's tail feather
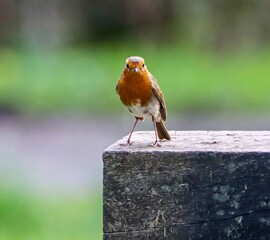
162, 131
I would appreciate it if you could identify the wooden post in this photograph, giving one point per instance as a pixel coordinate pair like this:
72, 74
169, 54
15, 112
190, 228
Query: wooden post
200, 185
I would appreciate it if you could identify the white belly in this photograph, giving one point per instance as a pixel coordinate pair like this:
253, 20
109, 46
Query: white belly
152, 109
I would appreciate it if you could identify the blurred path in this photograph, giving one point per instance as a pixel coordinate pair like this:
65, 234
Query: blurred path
54, 154
63, 154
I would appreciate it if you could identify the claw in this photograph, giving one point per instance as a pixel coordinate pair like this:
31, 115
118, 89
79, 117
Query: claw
156, 144
125, 144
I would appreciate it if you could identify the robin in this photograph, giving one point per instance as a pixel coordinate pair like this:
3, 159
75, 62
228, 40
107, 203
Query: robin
141, 95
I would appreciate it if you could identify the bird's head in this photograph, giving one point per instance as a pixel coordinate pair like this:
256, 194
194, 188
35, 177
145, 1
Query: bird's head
135, 65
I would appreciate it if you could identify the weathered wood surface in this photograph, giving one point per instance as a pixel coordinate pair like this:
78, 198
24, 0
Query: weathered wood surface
200, 185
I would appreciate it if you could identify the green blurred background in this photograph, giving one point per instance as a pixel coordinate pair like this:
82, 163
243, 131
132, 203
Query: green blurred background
59, 64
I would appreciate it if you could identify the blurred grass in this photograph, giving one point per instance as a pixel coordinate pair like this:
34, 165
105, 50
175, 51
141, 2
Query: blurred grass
26, 217
84, 79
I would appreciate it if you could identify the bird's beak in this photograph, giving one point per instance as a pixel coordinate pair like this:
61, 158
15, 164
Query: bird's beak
136, 69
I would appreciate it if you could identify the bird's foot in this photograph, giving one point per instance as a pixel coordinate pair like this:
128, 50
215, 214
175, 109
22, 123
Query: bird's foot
156, 144
128, 143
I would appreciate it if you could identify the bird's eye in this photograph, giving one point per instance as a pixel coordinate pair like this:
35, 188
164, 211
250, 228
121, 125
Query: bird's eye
127, 66
143, 65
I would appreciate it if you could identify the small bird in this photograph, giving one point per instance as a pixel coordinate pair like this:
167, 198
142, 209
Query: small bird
141, 95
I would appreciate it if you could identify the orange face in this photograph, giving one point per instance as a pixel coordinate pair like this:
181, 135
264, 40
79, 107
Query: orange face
135, 65
135, 85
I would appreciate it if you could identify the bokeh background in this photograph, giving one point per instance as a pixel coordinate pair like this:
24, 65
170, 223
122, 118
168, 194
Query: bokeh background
59, 64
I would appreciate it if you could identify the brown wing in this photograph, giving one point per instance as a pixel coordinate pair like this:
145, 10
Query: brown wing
116, 89
159, 95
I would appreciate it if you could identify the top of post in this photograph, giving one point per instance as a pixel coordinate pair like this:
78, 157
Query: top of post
197, 141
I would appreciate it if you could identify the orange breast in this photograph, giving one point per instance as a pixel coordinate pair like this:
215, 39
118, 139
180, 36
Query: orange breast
134, 87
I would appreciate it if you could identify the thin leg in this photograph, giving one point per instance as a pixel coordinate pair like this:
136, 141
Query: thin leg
128, 141
155, 127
